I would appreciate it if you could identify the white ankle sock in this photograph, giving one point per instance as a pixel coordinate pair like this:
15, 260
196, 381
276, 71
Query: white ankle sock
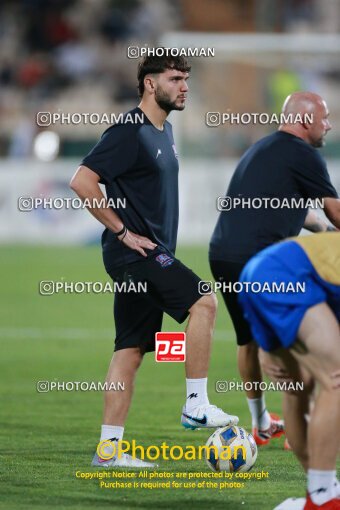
196, 393
320, 485
111, 432
259, 414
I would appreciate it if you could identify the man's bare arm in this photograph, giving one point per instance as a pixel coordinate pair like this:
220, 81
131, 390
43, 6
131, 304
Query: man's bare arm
314, 223
332, 210
85, 183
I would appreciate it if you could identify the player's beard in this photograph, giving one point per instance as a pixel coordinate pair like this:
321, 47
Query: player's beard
163, 100
319, 143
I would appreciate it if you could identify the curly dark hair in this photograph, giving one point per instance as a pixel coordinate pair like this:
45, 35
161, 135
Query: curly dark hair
155, 64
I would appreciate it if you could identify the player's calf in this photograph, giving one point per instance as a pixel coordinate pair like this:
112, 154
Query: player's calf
199, 337
197, 411
318, 350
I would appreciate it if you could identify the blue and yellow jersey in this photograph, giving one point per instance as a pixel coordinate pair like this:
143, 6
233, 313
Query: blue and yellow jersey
323, 250
275, 317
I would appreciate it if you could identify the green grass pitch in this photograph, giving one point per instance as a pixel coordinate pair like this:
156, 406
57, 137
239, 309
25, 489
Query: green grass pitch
47, 437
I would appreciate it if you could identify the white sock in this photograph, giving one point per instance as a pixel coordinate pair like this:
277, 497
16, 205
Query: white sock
259, 414
196, 393
112, 432
320, 485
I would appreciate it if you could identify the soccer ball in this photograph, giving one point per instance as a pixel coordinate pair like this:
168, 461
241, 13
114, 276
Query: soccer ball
231, 449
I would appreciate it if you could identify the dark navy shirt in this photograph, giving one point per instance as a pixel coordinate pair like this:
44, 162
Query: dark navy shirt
138, 162
278, 166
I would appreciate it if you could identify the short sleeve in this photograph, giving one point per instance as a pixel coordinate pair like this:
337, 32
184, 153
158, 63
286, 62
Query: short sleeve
311, 174
114, 154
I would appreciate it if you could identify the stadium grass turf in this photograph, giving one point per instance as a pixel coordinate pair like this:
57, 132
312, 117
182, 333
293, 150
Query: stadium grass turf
47, 437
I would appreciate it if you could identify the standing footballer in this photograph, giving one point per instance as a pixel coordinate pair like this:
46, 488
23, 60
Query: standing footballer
138, 163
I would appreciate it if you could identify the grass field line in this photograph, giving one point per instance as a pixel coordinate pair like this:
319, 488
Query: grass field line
23, 333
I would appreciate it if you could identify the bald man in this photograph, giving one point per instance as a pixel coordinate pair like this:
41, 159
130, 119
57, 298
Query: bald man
277, 178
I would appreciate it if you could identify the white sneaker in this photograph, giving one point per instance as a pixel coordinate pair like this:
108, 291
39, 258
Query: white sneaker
207, 416
125, 460
292, 504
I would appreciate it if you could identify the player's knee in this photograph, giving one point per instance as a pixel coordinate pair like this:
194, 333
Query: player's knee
138, 357
302, 385
206, 306
331, 385
131, 357
249, 349
252, 347
327, 374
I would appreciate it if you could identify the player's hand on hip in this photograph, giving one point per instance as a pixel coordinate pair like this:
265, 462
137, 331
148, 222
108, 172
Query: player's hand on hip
137, 243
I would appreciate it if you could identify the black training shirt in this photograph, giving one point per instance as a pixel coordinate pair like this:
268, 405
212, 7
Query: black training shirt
138, 162
282, 166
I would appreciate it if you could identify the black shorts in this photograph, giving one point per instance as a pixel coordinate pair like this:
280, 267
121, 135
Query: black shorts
171, 288
224, 271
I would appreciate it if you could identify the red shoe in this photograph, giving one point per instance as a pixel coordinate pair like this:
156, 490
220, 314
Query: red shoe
332, 504
276, 429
